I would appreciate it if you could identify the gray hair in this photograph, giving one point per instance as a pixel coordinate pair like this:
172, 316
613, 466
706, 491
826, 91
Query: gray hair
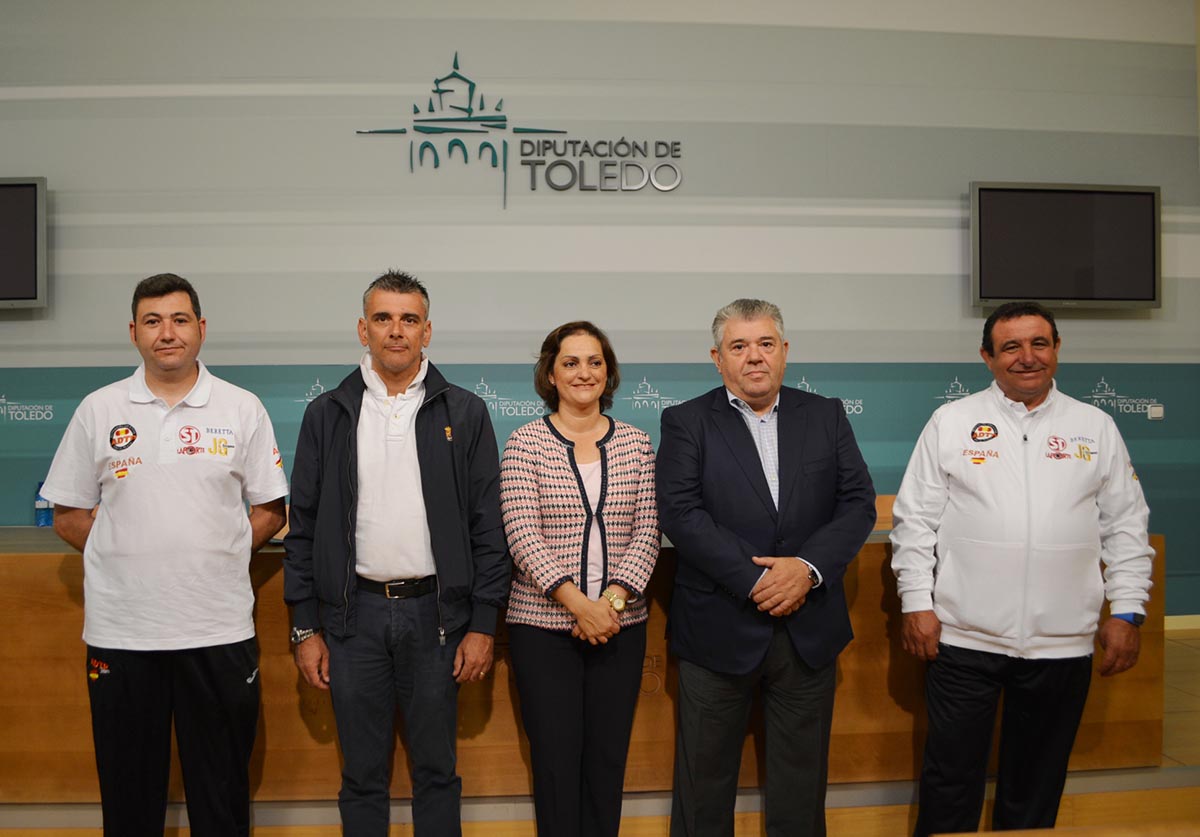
745, 309
399, 282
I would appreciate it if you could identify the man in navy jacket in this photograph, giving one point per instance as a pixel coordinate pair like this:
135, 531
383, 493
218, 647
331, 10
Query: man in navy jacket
396, 561
765, 495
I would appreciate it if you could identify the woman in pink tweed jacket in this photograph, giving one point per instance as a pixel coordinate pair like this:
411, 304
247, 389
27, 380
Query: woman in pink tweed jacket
577, 493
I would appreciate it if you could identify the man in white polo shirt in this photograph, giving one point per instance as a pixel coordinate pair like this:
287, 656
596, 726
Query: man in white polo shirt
169, 458
396, 561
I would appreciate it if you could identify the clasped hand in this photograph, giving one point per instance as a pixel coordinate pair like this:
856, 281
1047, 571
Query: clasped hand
783, 587
596, 621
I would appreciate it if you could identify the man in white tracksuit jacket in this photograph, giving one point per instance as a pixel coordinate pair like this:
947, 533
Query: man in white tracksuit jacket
1013, 500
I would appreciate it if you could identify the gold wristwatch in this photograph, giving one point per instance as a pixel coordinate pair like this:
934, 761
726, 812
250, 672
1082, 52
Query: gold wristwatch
618, 604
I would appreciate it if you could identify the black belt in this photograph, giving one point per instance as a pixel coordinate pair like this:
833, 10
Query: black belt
401, 588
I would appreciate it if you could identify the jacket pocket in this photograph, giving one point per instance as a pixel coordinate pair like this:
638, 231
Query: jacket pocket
1066, 590
978, 586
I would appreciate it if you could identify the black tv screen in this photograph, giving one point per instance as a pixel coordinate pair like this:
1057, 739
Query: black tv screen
22, 242
1066, 245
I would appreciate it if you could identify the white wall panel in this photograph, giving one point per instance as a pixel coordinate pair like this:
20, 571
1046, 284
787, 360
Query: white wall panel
827, 150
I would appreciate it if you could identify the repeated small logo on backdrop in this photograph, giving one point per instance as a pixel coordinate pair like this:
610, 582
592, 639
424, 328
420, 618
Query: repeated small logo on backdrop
954, 391
646, 396
852, 406
1104, 396
315, 390
499, 405
15, 411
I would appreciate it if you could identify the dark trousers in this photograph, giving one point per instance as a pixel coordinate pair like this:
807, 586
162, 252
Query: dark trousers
714, 711
1043, 702
396, 660
577, 704
212, 695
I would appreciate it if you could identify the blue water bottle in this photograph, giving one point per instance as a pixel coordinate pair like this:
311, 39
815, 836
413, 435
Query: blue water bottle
43, 510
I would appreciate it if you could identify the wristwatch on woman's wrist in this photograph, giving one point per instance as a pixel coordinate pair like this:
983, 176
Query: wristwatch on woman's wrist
618, 604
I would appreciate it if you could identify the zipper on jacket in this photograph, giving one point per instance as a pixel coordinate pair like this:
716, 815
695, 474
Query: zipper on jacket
1021, 633
437, 576
437, 584
350, 515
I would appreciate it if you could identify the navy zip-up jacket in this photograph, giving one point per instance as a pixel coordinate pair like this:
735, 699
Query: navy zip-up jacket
460, 478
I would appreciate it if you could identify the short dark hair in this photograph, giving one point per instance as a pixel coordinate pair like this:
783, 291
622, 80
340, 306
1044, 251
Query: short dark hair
550, 349
397, 281
162, 284
1010, 311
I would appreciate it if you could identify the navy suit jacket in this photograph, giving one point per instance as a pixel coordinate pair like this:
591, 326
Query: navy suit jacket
715, 506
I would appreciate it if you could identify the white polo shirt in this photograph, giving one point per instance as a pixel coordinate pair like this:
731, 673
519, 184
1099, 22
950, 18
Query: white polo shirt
167, 563
392, 537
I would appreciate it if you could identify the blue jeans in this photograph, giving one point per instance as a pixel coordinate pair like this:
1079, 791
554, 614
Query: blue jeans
395, 661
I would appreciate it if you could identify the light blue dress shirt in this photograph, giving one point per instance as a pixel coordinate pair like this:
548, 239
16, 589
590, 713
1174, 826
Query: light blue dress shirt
765, 432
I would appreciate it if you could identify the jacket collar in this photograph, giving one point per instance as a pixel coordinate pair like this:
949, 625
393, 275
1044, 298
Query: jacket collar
348, 394
1017, 408
732, 429
375, 383
792, 420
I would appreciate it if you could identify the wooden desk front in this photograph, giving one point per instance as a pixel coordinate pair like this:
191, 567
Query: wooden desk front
45, 732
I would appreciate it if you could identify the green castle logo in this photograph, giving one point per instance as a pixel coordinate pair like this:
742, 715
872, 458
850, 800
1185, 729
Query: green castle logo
456, 115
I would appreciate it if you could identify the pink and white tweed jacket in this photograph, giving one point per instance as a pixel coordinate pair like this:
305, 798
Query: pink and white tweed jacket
546, 514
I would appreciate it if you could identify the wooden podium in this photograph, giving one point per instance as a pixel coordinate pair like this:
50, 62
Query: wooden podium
45, 729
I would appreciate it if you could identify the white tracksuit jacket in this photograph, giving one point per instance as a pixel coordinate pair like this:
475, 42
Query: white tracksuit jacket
1004, 517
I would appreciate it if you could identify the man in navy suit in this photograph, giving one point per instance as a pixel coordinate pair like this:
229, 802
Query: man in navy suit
767, 499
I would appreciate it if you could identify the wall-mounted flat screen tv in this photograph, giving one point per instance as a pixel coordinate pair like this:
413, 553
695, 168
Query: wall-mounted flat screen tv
22, 242
1066, 245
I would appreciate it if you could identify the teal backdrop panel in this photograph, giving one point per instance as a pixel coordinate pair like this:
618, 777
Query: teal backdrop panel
887, 403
